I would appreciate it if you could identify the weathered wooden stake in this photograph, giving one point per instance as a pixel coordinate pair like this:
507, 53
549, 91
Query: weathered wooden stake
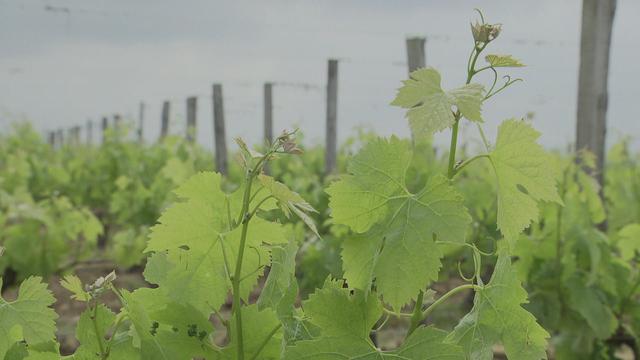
268, 112
595, 43
164, 121
141, 122
89, 132
332, 116
192, 108
117, 121
51, 135
416, 58
105, 126
60, 133
219, 138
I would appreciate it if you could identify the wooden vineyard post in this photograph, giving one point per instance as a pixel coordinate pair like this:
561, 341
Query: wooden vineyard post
192, 107
219, 139
105, 126
268, 112
89, 132
51, 138
416, 58
164, 120
595, 43
332, 117
141, 122
117, 121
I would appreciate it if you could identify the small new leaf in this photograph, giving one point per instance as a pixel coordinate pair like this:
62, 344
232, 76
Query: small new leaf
430, 107
503, 61
73, 284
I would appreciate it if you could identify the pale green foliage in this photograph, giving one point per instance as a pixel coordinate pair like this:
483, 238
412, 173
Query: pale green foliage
289, 201
258, 326
86, 330
73, 284
589, 303
629, 241
503, 61
202, 245
29, 317
525, 173
345, 321
497, 317
338, 313
396, 228
430, 107
171, 337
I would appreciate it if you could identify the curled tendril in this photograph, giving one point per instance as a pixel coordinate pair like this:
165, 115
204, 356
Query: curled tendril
463, 276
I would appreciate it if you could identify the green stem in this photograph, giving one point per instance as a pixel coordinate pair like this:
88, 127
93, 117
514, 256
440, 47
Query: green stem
113, 335
454, 130
235, 281
452, 147
416, 318
447, 295
94, 320
467, 162
266, 341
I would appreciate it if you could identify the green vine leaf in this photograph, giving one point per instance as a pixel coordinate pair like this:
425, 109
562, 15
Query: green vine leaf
430, 107
497, 317
289, 201
261, 331
165, 330
629, 241
339, 313
503, 61
86, 330
29, 317
425, 343
394, 244
200, 242
525, 173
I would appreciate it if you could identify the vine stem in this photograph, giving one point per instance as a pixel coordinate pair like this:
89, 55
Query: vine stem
457, 116
416, 318
94, 320
447, 295
244, 218
235, 281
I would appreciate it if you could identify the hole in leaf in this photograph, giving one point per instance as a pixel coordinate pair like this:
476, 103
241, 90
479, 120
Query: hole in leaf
522, 189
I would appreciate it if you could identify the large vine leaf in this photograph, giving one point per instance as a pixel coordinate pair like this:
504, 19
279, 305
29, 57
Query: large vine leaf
338, 313
262, 335
394, 244
525, 173
497, 317
29, 317
430, 107
198, 240
346, 319
165, 330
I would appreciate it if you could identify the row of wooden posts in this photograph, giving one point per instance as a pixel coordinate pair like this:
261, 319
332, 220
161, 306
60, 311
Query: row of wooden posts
415, 60
597, 20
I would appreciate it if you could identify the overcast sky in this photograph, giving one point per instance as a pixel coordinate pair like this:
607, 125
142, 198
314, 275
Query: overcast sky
63, 62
